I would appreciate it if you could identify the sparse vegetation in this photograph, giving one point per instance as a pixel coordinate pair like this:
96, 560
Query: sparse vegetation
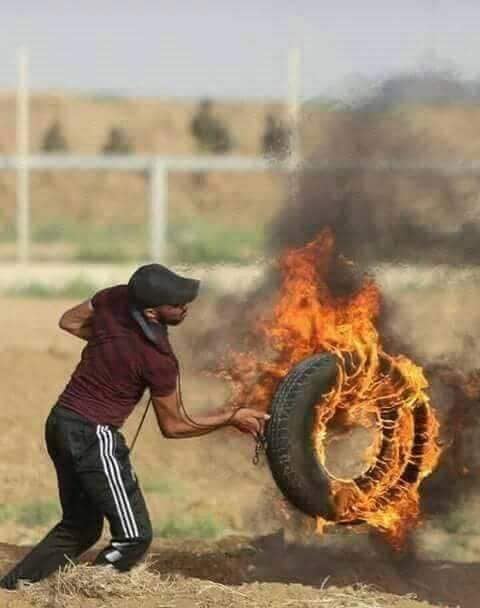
118, 142
116, 243
99, 251
37, 513
157, 486
31, 514
7, 232
207, 242
76, 288
275, 138
189, 527
54, 139
210, 133
195, 241
5, 513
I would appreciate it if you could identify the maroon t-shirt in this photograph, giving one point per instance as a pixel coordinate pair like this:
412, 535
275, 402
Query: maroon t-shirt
118, 363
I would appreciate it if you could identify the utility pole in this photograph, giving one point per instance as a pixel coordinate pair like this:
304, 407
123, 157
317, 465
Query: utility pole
22, 137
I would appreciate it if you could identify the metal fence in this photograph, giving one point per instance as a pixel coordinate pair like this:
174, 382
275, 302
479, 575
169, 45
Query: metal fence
155, 168
158, 168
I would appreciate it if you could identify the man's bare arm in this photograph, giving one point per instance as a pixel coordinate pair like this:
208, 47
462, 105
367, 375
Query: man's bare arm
78, 320
174, 425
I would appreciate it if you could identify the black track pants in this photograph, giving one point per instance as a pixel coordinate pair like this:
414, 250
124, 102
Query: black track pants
95, 480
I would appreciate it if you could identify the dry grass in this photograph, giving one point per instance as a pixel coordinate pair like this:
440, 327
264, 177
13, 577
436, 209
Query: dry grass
95, 582
82, 585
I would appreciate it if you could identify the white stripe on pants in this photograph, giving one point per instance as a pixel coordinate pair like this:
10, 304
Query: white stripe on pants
115, 482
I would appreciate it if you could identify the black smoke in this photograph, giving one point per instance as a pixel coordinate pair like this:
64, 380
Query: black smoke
384, 215
416, 218
422, 220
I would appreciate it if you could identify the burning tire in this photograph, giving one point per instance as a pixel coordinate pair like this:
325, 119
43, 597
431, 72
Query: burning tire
290, 450
352, 433
294, 458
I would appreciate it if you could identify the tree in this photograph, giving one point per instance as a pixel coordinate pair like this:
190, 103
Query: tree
275, 138
118, 142
54, 140
209, 131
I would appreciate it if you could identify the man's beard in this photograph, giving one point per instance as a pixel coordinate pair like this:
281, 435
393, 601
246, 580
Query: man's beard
174, 321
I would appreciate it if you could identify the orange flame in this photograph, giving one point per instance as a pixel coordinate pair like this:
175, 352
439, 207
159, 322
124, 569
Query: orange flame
373, 389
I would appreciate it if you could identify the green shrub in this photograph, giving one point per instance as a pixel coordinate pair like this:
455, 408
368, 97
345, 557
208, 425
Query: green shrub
54, 140
118, 142
275, 140
211, 134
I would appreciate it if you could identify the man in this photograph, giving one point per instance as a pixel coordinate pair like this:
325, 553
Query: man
127, 351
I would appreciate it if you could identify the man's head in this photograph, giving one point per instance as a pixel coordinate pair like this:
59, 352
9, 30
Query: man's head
161, 295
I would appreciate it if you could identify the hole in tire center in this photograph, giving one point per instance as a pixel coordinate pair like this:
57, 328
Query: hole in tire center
349, 451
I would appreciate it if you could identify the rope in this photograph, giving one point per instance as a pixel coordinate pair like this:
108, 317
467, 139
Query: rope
260, 440
134, 440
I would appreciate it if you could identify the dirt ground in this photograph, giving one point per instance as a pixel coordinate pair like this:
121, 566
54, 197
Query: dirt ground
259, 556
265, 571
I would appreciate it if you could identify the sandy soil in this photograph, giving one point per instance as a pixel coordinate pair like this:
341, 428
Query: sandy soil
209, 477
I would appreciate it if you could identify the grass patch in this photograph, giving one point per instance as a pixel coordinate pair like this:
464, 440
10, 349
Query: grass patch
115, 243
208, 242
7, 232
189, 527
6, 513
190, 241
103, 252
76, 289
31, 514
158, 486
37, 513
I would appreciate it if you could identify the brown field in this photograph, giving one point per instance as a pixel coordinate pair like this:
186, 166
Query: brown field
228, 200
156, 127
254, 551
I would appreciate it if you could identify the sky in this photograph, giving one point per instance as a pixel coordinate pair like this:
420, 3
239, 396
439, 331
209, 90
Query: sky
232, 49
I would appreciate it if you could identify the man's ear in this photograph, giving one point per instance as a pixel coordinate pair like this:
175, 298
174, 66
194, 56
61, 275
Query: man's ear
149, 313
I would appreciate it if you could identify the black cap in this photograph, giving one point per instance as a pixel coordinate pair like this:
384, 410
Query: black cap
153, 285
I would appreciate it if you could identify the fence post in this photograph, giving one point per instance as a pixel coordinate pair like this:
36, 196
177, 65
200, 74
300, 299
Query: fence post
158, 212
22, 165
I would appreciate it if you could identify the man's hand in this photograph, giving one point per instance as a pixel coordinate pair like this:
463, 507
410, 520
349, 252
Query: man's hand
250, 421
